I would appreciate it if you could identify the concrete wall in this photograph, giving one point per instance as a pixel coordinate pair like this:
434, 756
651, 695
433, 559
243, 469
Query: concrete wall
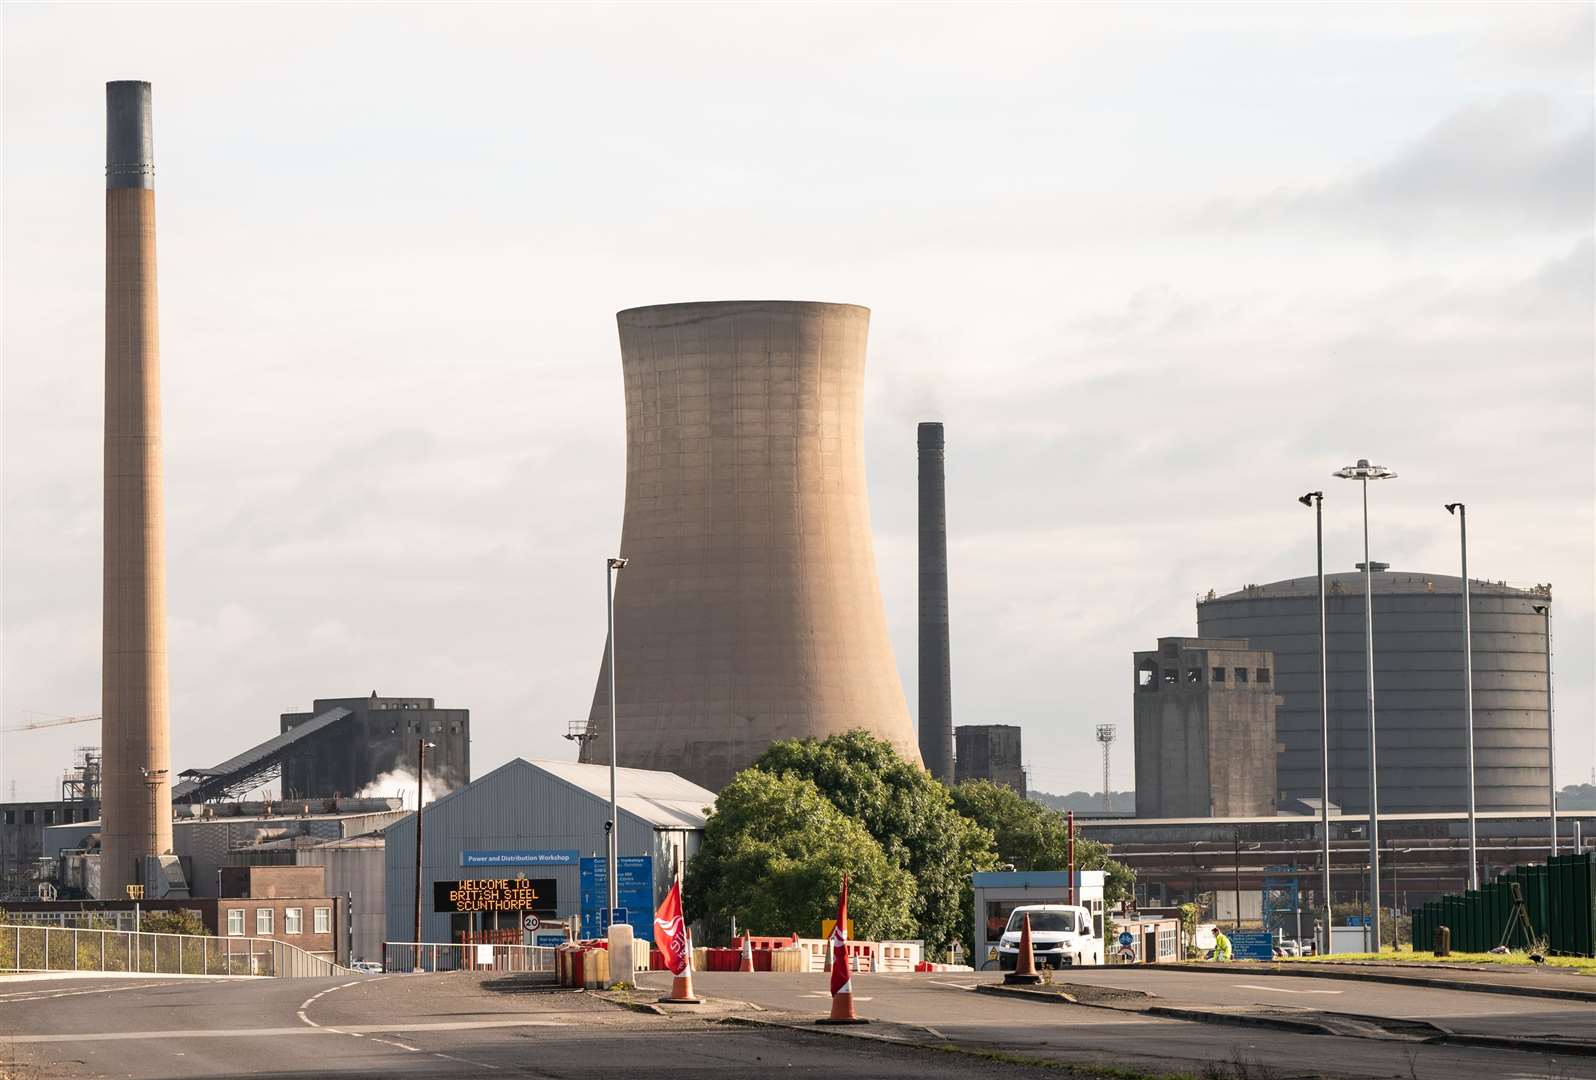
1418, 647
751, 610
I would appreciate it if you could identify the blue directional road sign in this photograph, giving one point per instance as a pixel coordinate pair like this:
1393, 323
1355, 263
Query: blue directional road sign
1252, 945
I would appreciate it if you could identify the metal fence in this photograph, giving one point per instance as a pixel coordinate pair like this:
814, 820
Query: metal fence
451, 956
47, 948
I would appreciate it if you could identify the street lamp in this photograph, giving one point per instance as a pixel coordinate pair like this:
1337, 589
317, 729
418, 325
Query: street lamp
1365, 472
1462, 514
612, 567
422, 746
1315, 499
1545, 610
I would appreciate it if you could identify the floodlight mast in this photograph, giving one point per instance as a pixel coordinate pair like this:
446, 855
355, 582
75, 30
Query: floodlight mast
1364, 472
1315, 500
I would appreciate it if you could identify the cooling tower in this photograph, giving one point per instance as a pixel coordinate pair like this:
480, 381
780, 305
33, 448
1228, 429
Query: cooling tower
936, 677
135, 783
750, 609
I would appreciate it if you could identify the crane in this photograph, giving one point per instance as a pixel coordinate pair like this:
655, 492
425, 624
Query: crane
54, 721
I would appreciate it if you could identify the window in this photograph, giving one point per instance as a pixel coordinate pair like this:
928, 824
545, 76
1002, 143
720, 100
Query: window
1219, 674
1171, 676
1263, 674
70, 815
49, 817
235, 922
1147, 675
1194, 674
293, 920
1241, 675
11, 817
27, 817
324, 920
263, 920
1052, 922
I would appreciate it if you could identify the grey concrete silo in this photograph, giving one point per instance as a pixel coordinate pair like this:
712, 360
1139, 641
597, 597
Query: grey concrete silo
1418, 679
750, 610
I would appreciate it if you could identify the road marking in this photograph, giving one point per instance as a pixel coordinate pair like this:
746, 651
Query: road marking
467, 1061
954, 985
45, 995
254, 1033
1282, 989
935, 1032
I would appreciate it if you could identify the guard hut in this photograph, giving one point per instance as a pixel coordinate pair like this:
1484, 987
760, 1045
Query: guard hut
999, 892
531, 834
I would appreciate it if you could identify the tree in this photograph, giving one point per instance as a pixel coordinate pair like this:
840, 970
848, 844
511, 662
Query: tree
182, 921
1032, 837
908, 813
773, 856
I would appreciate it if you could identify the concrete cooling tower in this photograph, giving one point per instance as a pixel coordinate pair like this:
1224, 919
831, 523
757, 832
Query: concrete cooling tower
750, 610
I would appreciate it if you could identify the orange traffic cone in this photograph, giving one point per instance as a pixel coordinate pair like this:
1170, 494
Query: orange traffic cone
682, 985
747, 961
1024, 972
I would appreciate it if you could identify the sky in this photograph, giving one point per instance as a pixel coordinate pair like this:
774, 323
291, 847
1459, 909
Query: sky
1158, 269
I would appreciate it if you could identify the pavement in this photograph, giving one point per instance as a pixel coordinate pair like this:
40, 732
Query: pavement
1518, 979
927, 1025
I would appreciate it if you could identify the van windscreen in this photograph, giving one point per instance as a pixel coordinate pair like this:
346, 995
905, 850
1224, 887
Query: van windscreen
1050, 922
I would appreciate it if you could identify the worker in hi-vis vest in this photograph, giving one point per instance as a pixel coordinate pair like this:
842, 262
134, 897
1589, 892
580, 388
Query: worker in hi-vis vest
1221, 945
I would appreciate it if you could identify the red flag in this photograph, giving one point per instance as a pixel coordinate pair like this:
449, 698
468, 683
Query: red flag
670, 932
841, 977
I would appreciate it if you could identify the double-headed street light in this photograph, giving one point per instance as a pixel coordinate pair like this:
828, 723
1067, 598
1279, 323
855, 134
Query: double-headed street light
612, 566
1315, 499
1462, 514
1365, 472
1545, 611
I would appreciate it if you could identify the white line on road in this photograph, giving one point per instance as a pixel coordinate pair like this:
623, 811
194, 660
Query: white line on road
1282, 989
467, 1061
255, 1033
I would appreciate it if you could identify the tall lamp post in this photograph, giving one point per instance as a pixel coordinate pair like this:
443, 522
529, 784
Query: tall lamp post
1462, 514
1365, 472
422, 746
612, 567
1315, 499
1545, 611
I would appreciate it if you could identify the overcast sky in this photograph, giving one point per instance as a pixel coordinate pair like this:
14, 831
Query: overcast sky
1159, 269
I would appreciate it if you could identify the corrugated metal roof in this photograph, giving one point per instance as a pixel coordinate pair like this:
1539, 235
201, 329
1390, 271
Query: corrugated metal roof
660, 799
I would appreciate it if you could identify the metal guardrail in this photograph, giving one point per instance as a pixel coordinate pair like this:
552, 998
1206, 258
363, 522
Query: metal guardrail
47, 948
451, 956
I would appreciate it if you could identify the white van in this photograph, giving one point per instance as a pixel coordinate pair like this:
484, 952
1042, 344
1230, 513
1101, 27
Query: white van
1061, 936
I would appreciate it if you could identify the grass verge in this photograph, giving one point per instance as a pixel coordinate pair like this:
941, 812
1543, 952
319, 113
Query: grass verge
1580, 965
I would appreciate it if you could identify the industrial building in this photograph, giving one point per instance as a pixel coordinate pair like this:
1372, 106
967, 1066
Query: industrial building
378, 736
542, 821
1204, 729
1419, 687
22, 824
989, 752
750, 610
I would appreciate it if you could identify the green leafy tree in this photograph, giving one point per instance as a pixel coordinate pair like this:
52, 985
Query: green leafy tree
172, 922
773, 856
908, 813
1032, 837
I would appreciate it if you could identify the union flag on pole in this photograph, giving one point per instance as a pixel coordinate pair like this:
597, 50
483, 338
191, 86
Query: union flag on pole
670, 932
841, 977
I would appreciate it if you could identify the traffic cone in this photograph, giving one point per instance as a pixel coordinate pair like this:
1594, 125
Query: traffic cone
747, 961
682, 985
842, 1005
1024, 973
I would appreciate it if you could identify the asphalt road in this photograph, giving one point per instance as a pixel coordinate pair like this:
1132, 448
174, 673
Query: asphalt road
945, 1007
459, 1025
483, 1025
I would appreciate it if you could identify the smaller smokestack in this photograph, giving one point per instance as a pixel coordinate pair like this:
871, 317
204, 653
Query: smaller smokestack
936, 679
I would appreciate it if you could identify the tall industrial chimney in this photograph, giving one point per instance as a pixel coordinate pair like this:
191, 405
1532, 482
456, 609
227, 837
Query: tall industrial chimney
135, 784
749, 610
936, 678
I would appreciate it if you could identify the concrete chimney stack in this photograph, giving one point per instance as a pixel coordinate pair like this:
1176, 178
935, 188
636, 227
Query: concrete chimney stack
936, 678
136, 785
